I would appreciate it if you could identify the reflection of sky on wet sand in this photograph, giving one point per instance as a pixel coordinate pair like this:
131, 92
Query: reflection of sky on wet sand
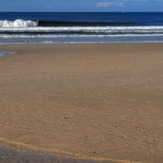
6, 53
16, 155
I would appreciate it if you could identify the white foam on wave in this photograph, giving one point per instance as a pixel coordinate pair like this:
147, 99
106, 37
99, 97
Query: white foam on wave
27, 25
7, 36
19, 23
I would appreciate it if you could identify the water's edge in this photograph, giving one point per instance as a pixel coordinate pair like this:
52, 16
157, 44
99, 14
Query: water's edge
2, 53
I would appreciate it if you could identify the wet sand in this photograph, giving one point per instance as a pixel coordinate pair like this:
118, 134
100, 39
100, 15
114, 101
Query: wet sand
98, 102
10, 154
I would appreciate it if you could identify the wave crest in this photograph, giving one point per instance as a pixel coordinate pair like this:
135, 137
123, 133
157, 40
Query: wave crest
19, 23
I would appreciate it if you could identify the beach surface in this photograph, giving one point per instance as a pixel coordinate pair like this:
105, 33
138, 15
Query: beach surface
75, 102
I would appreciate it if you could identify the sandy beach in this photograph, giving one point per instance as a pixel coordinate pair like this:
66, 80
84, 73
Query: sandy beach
101, 102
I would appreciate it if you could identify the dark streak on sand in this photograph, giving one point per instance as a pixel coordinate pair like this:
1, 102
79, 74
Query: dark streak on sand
10, 154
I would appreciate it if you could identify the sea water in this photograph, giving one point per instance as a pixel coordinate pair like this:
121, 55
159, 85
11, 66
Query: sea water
2, 53
86, 27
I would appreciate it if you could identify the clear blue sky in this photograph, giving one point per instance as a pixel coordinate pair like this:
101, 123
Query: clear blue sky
82, 5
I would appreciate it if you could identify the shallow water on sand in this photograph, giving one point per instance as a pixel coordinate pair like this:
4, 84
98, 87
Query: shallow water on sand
6, 53
14, 155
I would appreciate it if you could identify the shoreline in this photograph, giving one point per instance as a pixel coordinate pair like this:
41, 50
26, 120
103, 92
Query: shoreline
14, 154
93, 100
19, 152
36, 157
80, 43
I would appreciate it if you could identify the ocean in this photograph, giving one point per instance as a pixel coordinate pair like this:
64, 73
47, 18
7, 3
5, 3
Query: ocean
80, 27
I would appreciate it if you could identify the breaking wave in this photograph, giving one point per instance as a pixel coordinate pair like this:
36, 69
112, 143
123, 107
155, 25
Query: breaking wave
19, 23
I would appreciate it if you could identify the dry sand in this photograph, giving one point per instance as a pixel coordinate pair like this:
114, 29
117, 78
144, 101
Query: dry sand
91, 101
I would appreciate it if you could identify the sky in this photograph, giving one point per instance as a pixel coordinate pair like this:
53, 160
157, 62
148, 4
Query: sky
82, 5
